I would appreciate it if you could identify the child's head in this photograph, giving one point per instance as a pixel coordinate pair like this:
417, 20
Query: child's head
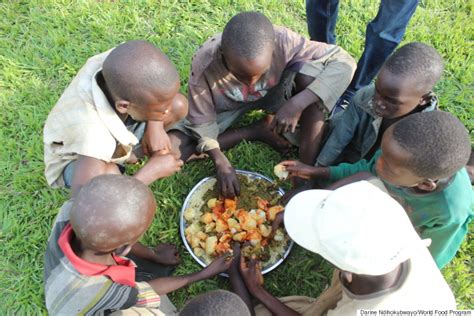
111, 212
405, 80
247, 45
423, 148
216, 303
357, 227
141, 80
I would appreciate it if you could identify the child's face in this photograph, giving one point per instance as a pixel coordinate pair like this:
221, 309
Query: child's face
391, 165
395, 96
155, 107
249, 71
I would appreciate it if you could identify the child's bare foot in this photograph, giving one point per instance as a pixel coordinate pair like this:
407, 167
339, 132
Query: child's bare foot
167, 254
273, 139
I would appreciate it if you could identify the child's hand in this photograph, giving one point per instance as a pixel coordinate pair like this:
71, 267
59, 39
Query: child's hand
277, 223
166, 254
227, 181
298, 169
251, 273
155, 139
286, 119
218, 265
164, 165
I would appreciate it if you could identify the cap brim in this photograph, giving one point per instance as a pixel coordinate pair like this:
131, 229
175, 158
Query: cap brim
298, 218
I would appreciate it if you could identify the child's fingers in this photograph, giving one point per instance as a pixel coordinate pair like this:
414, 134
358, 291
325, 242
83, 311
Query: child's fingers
287, 163
244, 263
145, 150
293, 127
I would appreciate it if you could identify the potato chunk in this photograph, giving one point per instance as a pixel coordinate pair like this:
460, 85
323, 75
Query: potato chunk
211, 243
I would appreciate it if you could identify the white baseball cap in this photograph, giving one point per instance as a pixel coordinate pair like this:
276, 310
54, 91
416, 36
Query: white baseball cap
358, 228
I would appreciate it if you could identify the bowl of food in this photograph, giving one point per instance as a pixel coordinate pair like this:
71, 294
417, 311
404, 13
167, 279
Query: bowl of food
210, 224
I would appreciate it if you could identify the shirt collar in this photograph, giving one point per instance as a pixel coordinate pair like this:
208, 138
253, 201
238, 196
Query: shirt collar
123, 272
108, 116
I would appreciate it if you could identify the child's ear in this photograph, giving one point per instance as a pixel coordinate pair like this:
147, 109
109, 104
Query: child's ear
427, 185
122, 106
425, 99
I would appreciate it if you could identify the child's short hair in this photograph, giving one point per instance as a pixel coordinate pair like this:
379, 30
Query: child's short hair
419, 61
246, 34
437, 141
135, 68
108, 208
216, 303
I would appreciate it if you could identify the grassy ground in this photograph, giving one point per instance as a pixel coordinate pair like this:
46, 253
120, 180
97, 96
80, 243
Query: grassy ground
43, 45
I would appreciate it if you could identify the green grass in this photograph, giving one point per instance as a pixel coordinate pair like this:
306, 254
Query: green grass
44, 43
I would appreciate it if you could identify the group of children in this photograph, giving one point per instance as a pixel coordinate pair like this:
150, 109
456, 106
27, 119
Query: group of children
394, 161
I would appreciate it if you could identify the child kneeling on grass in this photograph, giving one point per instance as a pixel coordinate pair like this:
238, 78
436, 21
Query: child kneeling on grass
381, 261
421, 163
85, 269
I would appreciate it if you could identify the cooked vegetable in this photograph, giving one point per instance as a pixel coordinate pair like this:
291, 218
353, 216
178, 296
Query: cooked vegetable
247, 219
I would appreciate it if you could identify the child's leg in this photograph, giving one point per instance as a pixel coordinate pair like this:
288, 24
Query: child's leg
311, 125
182, 145
178, 111
258, 131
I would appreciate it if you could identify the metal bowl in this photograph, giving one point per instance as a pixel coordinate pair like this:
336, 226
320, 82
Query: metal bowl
206, 181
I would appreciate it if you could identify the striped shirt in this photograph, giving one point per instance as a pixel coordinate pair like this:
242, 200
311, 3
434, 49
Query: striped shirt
103, 291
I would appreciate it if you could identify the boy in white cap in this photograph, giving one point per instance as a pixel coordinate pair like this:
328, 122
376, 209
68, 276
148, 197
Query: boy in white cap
367, 235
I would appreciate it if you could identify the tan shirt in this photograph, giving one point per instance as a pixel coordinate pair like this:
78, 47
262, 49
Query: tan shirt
213, 89
421, 287
84, 123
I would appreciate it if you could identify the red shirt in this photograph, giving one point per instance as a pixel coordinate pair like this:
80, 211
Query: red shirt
123, 272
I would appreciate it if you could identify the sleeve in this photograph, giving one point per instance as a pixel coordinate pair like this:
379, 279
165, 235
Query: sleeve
201, 119
146, 296
331, 66
201, 105
341, 132
206, 135
344, 170
446, 239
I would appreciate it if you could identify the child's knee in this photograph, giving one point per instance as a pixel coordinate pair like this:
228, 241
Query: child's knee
179, 108
302, 81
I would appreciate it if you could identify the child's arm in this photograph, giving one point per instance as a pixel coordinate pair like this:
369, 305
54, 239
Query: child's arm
169, 284
166, 254
298, 169
158, 166
446, 239
254, 281
155, 138
226, 177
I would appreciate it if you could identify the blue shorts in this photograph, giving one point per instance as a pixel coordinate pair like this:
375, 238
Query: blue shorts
137, 128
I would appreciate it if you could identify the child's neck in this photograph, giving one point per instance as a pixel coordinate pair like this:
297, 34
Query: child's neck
91, 256
364, 285
103, 86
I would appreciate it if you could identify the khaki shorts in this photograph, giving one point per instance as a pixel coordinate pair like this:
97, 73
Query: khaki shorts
270, 103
